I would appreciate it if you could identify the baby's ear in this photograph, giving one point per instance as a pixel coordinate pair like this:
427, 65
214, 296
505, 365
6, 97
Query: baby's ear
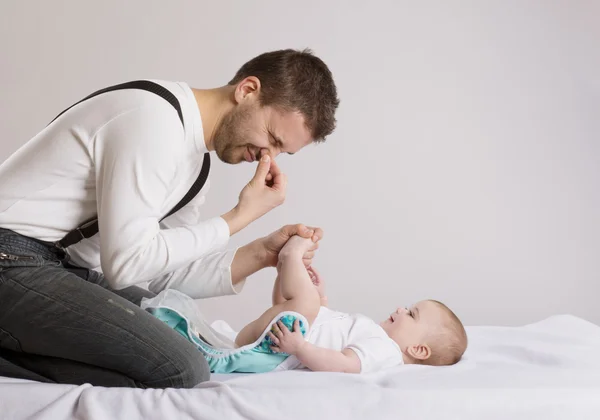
419, 351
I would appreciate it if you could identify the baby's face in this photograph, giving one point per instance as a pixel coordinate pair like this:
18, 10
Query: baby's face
410, 326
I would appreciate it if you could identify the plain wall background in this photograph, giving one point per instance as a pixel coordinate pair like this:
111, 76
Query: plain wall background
465, 166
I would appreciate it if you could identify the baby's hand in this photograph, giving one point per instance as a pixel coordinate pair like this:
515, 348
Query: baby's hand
284, 340
317, 280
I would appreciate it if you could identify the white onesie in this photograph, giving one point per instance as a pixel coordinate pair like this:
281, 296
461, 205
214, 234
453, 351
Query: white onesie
337, 331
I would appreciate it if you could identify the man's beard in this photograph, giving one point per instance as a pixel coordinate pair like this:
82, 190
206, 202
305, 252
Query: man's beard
229, 138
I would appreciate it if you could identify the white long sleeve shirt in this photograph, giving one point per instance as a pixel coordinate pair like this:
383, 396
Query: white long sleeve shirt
125, 156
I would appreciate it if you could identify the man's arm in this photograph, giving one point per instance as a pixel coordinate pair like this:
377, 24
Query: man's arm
248, 260
263, 252
223, 273
135, 171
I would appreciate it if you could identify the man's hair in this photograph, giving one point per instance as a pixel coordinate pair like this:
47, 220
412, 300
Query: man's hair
449, 342
296, 81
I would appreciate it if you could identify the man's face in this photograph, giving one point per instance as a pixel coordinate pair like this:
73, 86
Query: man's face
249, 128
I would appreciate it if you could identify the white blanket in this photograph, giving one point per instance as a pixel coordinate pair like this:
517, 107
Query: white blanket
548, 370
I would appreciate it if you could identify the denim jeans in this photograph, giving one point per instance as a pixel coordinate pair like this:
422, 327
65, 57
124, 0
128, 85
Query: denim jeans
62, 324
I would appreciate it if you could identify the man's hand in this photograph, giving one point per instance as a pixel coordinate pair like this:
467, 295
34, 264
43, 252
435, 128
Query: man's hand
272, 244
284, 340
264, 252
265, 191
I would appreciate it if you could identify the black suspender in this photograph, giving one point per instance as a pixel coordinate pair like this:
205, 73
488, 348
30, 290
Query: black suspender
90, 228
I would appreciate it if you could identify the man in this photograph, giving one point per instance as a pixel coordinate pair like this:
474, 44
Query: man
115, 165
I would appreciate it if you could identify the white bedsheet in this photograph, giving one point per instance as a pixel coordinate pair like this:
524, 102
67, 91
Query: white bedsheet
548, 370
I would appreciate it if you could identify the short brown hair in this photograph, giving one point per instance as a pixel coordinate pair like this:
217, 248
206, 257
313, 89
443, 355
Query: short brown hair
296, 81
449, 342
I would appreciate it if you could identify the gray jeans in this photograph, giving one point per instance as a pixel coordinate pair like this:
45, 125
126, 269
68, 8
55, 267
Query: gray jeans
61, 324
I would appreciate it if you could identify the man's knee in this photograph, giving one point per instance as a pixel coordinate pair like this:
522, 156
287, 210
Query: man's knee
196, 372
188, 369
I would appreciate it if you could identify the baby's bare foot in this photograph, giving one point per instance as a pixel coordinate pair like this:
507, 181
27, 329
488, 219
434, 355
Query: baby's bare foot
295, 247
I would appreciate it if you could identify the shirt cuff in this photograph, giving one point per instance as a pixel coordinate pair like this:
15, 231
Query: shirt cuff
223, 233
227, 287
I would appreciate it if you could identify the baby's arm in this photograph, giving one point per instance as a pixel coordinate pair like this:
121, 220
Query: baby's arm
327, 360
313, 357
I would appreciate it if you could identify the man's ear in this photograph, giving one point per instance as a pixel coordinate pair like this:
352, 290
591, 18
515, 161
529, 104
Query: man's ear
419, 351
247, 88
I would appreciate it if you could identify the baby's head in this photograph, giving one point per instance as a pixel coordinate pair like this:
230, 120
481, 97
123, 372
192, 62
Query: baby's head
428, 333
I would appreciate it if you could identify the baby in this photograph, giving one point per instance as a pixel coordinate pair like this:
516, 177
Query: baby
427, 333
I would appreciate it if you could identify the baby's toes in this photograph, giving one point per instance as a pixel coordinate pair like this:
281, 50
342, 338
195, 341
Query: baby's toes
298, 243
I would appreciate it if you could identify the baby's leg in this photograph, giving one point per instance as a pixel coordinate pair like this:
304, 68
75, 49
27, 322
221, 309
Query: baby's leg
277, 297
297, 290
316, 279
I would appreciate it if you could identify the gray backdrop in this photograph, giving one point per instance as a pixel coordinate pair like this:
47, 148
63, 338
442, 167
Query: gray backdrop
466, 163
